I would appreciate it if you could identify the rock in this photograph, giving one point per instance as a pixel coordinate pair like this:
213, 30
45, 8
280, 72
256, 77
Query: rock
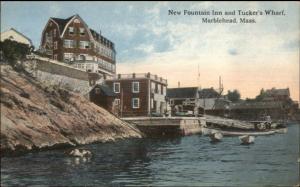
51, 118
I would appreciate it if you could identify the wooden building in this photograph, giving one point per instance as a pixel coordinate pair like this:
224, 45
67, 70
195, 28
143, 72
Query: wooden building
139, 94
71, 41
183, 99
103, 96
275, 103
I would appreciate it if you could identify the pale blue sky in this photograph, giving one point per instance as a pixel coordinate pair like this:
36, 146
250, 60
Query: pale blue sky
147, 37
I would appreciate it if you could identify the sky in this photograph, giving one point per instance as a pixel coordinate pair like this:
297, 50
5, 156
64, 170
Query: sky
248, 57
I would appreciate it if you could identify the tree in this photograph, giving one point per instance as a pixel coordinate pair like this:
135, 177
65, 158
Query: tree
13, 51
234, 95
261, 95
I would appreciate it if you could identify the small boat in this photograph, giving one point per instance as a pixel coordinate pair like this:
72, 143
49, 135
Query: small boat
246, 139
216, 137
281, 130
253, 133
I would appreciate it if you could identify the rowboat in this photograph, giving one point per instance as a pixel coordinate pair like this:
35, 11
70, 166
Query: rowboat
208, 131
246, 139
216, 137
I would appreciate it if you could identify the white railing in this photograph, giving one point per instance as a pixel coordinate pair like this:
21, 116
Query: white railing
139, 75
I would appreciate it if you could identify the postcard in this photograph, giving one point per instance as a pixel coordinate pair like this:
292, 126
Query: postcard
155, 93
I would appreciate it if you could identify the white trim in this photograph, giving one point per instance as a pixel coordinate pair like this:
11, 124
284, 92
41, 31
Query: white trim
117, 83
132, 85
117, 101
138, 102
85, 25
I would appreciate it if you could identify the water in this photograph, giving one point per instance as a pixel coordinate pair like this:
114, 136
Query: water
182, 161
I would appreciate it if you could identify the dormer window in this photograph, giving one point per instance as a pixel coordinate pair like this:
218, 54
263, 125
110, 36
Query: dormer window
82, 33
71, 30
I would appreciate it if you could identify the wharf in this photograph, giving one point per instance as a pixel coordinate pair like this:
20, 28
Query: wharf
167, 126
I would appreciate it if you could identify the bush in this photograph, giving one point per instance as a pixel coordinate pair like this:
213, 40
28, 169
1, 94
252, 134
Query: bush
13, 51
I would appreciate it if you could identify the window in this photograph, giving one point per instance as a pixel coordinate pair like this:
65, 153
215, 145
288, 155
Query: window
152, 87
55, 45
55, 57
68, 56
97, 90
135, 87
71, 30
81, 30
135, 103
116, 87
54, 33
152, 104
84, 45
117, 101
81, 57
68, 43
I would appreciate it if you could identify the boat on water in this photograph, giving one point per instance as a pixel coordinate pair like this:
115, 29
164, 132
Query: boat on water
208, 131
216, 137
246, 139
252, 133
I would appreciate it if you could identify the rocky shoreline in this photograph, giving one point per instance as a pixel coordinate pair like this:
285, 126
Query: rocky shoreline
35, 116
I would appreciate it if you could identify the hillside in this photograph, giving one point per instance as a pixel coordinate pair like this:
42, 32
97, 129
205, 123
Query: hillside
36, 116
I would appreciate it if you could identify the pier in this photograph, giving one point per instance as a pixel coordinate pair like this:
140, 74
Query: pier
167, 126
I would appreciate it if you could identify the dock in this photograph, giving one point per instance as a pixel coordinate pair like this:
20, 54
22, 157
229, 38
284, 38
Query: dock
167, 126
181, 126
228, 123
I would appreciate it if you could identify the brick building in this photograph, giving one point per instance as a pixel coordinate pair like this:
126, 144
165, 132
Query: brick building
139, 94
71, 41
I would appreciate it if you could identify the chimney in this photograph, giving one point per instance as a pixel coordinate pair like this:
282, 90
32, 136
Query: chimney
178, 84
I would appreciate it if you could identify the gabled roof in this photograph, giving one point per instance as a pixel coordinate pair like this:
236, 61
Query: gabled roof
62, 22
187, 92
105, 90
96, 36
208, 93
12, 29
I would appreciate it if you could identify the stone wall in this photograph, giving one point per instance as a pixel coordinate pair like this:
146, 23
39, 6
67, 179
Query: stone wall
61, 69
55, 73
76, 85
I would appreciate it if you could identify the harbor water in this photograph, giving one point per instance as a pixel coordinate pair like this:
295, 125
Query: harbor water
181, 161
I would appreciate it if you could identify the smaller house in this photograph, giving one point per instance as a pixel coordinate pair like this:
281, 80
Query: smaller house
183, 99
13, 34
211, 102
104, 97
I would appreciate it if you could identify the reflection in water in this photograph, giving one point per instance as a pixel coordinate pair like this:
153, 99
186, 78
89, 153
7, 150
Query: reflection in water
183, 161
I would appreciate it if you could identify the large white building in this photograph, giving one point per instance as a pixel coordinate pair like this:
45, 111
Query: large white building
13, 34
